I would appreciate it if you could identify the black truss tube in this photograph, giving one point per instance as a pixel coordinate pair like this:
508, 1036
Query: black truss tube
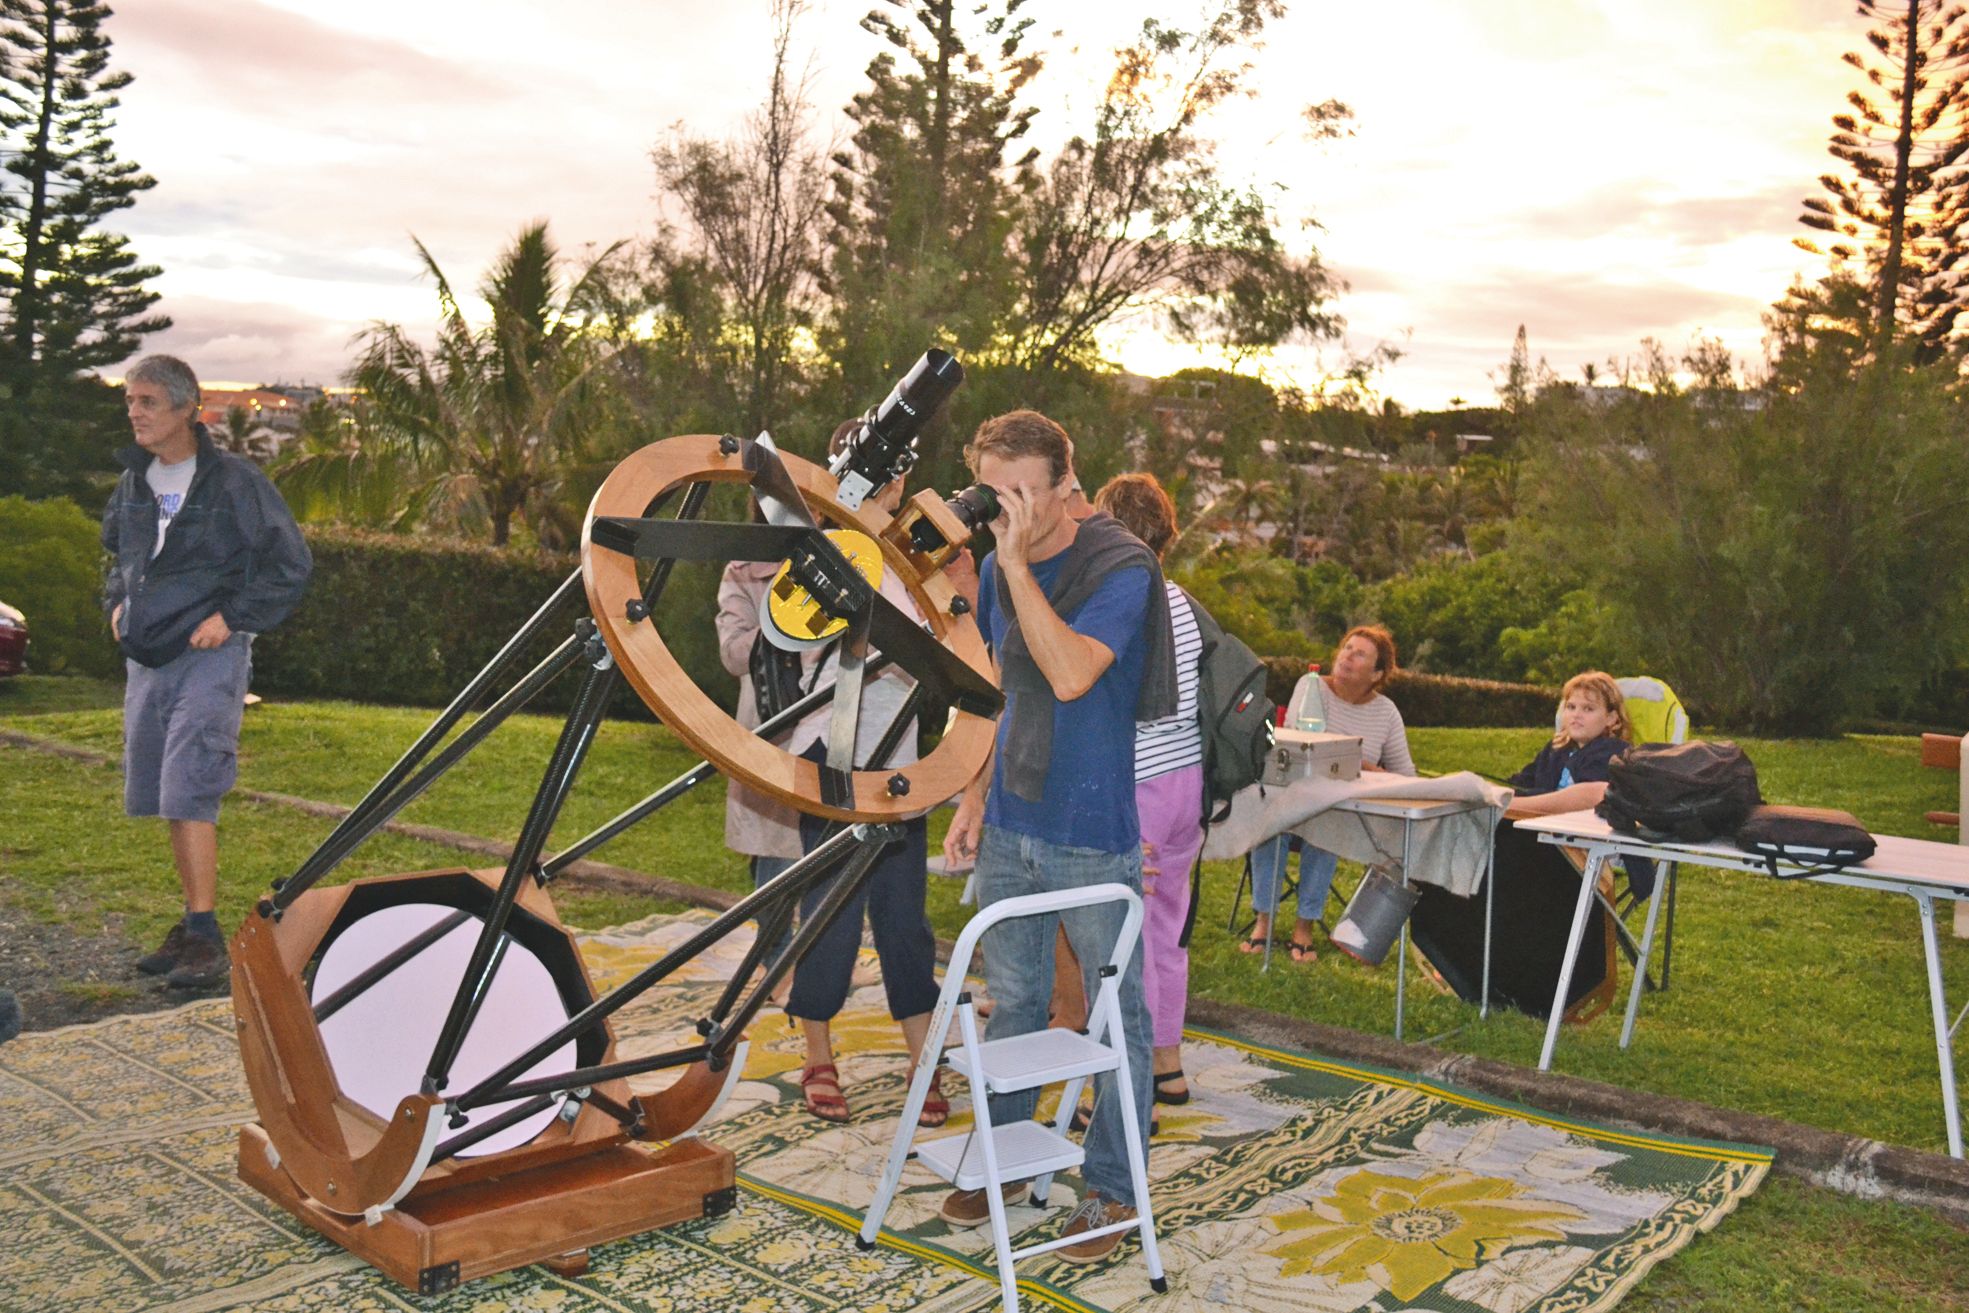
490, 1127
773, 922
574, 1080
552, 868
577, 736
631, 1117
796, 877
333, 852
384, 965
903, 723
359, 819
860, 865
659, 577
690, 779
569, 752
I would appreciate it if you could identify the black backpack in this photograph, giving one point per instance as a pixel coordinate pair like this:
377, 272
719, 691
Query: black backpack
1233, 713
1686, 792
1818, 839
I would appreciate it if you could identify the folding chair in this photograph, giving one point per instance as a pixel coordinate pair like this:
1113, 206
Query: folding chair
988, 1156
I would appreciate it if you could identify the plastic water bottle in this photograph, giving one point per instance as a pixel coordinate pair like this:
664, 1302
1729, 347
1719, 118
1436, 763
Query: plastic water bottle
1308, 707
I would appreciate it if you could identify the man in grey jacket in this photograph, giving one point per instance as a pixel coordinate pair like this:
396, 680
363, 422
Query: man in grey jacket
205, 556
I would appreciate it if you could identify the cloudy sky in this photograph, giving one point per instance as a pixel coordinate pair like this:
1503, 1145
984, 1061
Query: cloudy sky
1598, 170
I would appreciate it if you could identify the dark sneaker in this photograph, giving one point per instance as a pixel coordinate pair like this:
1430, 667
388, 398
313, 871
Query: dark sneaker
968, 1207
167, 954
201, 965
1094, 1213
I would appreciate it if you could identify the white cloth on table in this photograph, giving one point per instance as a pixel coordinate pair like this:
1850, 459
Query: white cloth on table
1450, 851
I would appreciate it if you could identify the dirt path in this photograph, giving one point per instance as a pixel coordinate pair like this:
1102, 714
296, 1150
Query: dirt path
63, 976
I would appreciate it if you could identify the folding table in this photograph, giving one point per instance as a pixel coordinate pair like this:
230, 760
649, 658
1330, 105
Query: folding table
1919, 868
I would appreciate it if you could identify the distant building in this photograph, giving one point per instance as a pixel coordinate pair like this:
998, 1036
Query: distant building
274, 416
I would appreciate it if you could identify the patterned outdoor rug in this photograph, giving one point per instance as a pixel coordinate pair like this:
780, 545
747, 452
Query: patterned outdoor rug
1288, 1182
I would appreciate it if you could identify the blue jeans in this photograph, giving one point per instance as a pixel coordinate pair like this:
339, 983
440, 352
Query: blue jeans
1018, 958
1316, 867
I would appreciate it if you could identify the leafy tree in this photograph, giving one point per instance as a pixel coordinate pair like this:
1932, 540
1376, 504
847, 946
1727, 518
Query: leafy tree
1138, 216
495, 423
1787, 558
924, 194
74, 292
755, 210
1279, 608
1893, 218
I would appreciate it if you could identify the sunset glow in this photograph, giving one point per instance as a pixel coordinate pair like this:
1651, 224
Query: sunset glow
1598, 171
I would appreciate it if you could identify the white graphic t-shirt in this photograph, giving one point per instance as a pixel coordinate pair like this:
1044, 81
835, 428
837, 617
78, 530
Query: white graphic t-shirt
169, 483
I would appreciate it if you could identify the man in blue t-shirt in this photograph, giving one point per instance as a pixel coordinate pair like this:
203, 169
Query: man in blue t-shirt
1077, 620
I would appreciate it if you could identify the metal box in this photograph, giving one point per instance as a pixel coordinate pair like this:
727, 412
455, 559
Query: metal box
1299, 754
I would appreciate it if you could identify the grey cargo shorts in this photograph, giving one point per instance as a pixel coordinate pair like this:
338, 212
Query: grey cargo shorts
181, 731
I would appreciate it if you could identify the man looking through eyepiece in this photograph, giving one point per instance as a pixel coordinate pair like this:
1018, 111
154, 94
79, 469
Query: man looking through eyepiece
1077, 619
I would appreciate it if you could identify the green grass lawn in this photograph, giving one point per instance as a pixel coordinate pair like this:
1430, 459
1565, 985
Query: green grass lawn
1797, 1001
1807, 1003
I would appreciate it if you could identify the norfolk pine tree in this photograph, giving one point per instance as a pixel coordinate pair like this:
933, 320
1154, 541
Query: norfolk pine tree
924, 196
75, 294
1894, 222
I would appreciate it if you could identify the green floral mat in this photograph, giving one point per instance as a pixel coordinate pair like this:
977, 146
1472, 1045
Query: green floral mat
1288, 1182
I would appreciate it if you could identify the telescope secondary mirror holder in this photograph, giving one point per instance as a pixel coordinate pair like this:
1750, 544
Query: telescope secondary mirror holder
412, 1182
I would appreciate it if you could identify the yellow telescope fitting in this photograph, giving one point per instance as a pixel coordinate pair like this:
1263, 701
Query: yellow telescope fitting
794, 612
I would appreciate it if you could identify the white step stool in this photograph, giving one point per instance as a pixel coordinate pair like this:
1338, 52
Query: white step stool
988, 1156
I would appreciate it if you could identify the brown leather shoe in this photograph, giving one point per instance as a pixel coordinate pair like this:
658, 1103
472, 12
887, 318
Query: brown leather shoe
968, 1207
1093, 1213
201, 965
167, 954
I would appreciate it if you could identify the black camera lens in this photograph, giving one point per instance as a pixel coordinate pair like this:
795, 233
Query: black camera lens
976, 506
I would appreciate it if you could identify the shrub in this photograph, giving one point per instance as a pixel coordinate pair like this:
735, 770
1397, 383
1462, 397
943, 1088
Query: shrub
1449, 615
51, 568
396, 619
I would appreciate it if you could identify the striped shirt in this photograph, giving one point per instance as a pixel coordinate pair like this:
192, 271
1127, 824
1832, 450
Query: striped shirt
1384, 742
1162, 746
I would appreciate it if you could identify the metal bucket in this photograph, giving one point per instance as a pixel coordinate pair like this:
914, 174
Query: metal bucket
1375, 916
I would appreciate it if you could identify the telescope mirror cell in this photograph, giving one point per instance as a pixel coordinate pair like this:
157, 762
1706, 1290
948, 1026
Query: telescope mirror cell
380, 1042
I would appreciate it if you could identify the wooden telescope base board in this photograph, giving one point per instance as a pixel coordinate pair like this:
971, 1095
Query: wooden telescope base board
430, 1243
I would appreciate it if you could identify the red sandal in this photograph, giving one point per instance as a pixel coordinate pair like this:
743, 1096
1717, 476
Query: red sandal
936, 1108
824, 1102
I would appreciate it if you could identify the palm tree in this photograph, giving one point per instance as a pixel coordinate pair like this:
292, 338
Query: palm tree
491, 423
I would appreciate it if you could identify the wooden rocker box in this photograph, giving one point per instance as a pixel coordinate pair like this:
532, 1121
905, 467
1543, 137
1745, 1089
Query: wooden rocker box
369, 1183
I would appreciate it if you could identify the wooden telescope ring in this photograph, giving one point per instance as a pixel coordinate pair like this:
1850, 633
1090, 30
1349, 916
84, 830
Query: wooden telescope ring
646, 661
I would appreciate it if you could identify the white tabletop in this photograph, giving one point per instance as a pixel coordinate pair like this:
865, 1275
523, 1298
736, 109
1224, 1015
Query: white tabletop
1944, 866
1410, 809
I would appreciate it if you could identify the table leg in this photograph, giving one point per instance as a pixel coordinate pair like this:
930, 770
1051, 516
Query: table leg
1596, 858
1401, 948
1490, 891
1938, 1004
1641, 964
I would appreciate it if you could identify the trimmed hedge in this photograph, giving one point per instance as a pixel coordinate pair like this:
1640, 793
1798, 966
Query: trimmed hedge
1439, 699
409, 620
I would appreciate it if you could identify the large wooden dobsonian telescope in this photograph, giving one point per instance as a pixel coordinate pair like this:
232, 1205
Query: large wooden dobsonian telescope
436, 1079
